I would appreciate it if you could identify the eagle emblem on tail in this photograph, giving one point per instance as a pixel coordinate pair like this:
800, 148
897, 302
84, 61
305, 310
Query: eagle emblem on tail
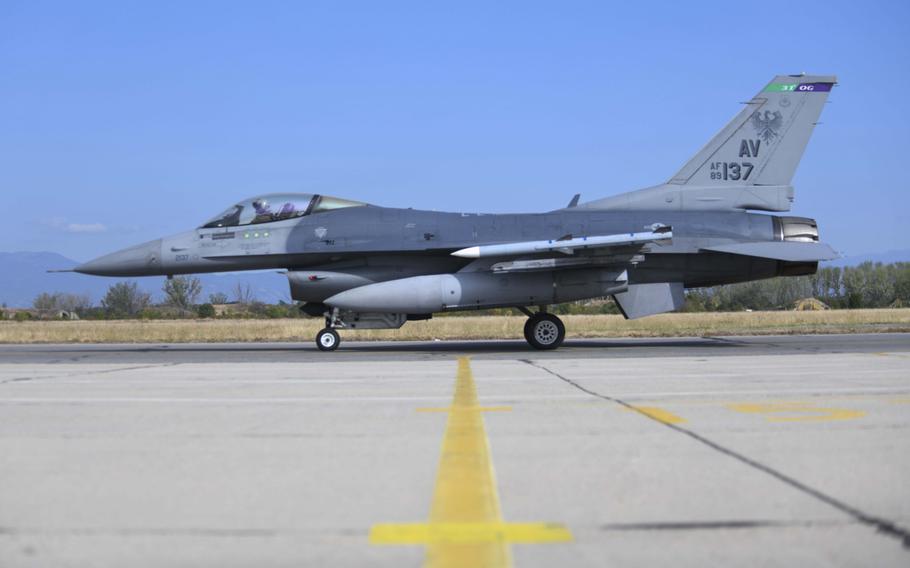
767, 124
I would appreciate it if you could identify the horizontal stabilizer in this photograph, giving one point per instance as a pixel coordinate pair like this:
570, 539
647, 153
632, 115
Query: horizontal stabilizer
642, 300
567, 245
781, 250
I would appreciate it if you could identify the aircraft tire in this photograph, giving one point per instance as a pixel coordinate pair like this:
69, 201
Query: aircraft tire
545, 331
327, 340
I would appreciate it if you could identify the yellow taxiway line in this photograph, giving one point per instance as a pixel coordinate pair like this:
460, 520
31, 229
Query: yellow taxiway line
796, 412
466, 526
658, 414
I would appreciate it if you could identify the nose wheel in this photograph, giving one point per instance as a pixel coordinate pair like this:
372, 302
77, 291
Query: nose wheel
327, 339
544, 331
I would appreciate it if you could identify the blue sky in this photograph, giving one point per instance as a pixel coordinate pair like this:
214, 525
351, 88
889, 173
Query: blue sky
121, 121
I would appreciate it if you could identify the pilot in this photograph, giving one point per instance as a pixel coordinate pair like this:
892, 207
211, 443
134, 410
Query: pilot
263, 211
287, 211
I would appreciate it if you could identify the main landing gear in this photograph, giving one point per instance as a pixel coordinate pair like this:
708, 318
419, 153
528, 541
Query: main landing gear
543, 330
328, 339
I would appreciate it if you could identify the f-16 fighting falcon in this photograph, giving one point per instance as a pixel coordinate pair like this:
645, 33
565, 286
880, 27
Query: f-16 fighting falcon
363, 266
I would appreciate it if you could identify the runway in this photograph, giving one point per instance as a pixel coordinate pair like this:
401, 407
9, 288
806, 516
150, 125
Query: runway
406, 351
739, 451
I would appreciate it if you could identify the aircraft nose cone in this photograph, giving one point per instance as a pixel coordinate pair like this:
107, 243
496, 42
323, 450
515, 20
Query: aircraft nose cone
139, 260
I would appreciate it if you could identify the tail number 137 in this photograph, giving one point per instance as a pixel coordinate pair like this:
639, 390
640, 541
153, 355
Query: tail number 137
731, 171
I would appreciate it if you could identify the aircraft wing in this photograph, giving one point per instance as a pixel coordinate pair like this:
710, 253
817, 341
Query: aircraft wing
567, 245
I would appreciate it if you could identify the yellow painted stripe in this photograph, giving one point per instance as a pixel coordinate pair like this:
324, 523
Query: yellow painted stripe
479, 408
465, 483
796, 412
659, 414
466, 527
423, 533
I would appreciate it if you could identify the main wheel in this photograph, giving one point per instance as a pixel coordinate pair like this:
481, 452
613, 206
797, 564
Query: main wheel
545, 331
327, 339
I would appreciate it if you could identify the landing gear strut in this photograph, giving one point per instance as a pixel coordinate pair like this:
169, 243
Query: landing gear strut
544, 330
328, 339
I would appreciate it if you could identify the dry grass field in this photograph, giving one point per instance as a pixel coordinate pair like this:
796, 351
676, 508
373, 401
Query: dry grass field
471, 327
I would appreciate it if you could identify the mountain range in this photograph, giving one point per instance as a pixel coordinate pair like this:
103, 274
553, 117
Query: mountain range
25, 275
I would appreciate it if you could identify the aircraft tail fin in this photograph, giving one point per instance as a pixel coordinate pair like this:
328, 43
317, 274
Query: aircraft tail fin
764, 143
750, 163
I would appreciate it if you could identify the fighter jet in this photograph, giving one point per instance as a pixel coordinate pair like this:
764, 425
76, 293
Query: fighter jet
364, 266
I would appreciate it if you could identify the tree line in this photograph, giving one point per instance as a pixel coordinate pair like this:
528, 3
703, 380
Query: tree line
868, 285
182, 298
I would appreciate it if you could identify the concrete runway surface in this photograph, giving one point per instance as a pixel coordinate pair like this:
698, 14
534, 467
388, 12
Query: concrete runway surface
783, 451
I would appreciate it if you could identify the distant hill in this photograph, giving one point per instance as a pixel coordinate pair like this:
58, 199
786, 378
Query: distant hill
23, 275
884, 257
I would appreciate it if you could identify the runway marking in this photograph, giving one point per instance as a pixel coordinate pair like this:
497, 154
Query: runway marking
796, 412
466, 526
658, 414
479, 409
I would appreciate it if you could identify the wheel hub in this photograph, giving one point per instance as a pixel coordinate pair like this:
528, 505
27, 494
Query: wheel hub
546, 332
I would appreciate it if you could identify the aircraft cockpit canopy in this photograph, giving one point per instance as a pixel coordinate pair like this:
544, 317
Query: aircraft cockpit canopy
277, 207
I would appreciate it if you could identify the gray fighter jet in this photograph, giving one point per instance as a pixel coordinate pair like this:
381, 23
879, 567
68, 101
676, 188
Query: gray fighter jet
362, 266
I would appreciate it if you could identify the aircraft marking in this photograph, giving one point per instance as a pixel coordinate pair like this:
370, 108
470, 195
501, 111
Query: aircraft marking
802, 87
731, 170
466, 526
749, 148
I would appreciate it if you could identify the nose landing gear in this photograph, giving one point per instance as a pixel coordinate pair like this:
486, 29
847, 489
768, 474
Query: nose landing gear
544, 330
328, 339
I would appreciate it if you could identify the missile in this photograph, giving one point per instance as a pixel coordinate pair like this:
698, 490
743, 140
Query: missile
568, 245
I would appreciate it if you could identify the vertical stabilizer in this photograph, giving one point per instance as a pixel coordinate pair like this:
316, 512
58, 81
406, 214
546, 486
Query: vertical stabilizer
750, 163
763, 144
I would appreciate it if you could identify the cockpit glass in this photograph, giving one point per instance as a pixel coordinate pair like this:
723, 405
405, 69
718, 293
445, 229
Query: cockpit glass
327, 203
277, 207
230, 218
